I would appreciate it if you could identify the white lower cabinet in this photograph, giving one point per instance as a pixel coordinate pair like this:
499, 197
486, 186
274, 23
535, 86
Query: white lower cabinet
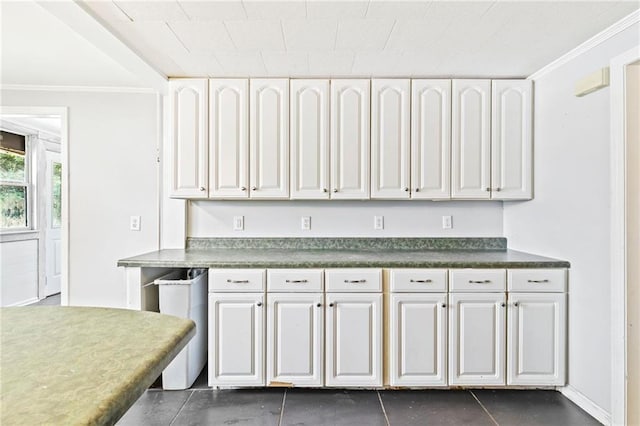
353, 355
477, 340
295, 336
236, 339
418, 339
536, 339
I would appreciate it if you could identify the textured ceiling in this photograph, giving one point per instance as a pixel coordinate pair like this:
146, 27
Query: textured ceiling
354, 38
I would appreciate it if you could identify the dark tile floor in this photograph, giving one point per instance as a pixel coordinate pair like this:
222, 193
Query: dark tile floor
279, 407
48, 301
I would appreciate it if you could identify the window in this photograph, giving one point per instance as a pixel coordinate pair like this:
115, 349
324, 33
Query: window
14, 182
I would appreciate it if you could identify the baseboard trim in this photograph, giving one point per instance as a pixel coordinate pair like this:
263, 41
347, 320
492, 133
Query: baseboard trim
586, 404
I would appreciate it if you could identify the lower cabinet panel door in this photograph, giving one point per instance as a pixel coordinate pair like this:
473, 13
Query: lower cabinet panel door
295, 338
477, 338
354, 339
418, 335
236, 339
537, 339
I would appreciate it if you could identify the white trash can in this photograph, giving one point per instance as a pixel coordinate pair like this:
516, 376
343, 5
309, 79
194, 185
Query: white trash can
184, 294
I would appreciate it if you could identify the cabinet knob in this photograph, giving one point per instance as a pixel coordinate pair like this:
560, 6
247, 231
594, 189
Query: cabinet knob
515, 304
406, 189
202, 188
503, 304
417, 189
254, 188
335, 189
325, 190
497, 189
244, 188
331, 305
259, 304
444, 305
488, 189
319, 305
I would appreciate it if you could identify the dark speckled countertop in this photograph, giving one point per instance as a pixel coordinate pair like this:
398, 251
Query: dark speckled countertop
343, 253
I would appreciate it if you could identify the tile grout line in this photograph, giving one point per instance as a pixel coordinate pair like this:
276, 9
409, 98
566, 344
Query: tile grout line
383, 410
484, 408
284, 398
181, 408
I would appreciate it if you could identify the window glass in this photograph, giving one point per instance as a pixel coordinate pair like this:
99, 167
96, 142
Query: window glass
56, 195
12, 166
13, 206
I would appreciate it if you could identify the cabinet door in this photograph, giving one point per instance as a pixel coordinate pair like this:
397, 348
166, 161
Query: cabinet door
354, 339
310, 139
418, 334
471, 139
295, 324
188, 109
477, 339
431, 139
350, 108
511, 139
536, 346
269, 138
390, 129
236, 341
228, 138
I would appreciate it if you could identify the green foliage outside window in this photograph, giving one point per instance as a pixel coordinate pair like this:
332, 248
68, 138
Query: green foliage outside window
56, 195
13, 198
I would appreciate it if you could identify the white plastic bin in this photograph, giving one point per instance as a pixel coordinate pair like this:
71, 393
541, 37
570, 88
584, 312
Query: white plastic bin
184, 294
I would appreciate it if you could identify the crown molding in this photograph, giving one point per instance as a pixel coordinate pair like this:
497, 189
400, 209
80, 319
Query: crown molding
606, 34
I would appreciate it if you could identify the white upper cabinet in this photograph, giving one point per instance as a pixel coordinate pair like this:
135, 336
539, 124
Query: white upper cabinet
229, 138
309, 139
471, 139
189, 119
350, 108
269, 138
511, 139
430, 139
390, 129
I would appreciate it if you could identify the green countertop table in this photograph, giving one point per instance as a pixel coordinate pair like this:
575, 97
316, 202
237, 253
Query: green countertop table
81, 366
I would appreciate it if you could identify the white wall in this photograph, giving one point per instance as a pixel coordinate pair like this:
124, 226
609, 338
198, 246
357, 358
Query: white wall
113, 175
569, 217
19, 271
345, 218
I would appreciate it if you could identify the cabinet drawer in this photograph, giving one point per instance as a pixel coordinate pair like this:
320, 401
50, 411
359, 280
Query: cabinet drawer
477, 280
537, 280
294, 280
418, 280
236, 280
353, 280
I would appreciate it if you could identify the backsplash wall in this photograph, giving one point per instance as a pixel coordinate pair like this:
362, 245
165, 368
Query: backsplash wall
345, 218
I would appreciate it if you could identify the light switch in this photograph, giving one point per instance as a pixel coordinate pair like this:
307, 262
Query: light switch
378, 222
446, 222
238, 223
134, 223
305, 223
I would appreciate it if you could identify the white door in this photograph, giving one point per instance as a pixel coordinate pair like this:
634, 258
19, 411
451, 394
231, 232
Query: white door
511, 139
269, 138
353, 353
236, 339
53, 222
229, 138
390, 141
309, 139
350, 108
418, 339
471, 139
477, 341
295, 325
430, 139
536, 347
189, 144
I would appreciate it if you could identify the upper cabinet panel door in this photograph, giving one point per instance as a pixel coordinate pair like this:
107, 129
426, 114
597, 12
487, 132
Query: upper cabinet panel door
471, 139
229, 138
511, 139
350, 109
189, 161
431, 139
309, 139
390, 128
269, 138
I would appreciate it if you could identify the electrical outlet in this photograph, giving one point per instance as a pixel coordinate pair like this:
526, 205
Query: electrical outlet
447, 222
238, 223
134, 223
305, 223
378, 222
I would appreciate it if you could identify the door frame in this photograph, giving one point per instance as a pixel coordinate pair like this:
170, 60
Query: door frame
618, 254
63, 113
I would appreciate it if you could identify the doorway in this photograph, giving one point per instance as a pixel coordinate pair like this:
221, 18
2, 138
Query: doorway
36, 248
